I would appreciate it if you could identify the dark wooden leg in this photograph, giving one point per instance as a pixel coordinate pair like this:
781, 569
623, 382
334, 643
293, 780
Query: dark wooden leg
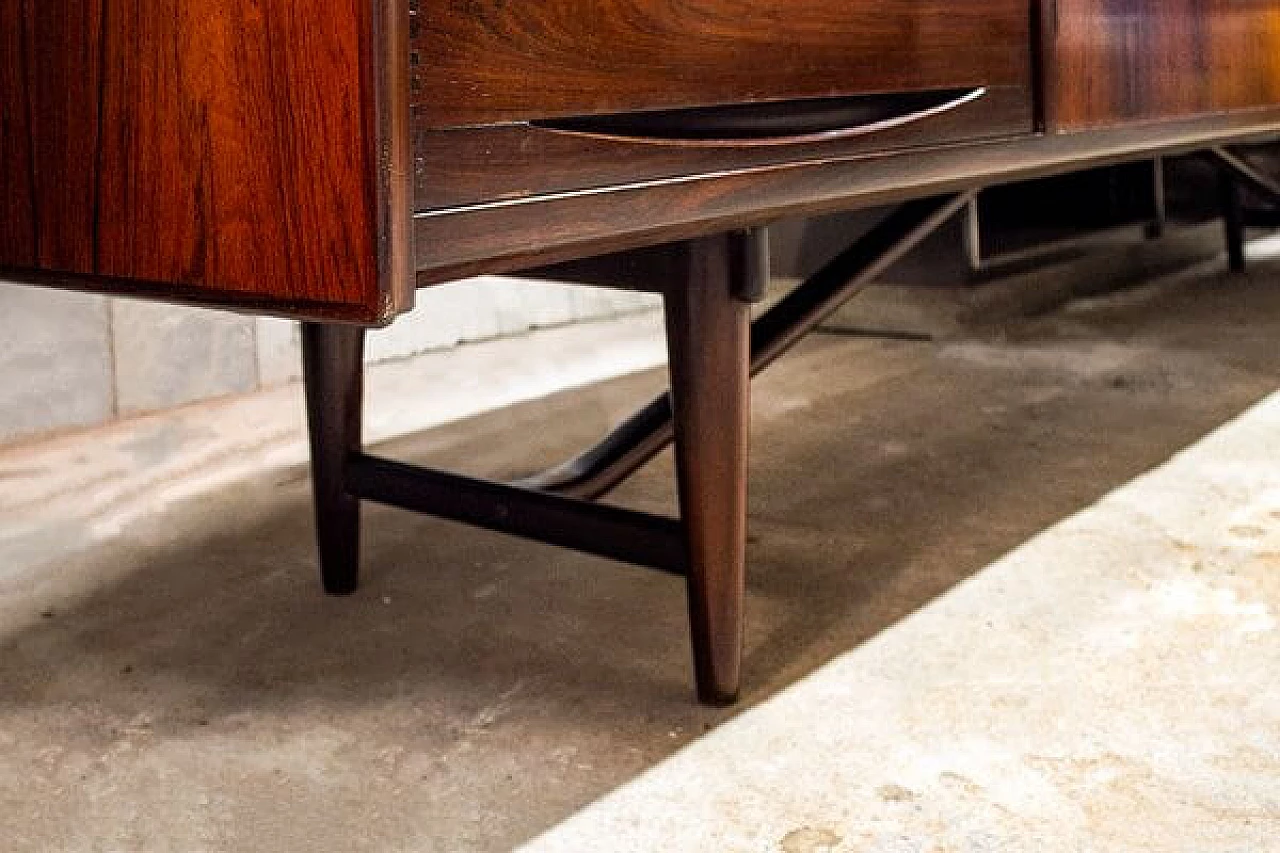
332, 359
1233, 221
708, 335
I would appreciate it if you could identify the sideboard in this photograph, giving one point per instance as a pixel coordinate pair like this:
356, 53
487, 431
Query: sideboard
322, 160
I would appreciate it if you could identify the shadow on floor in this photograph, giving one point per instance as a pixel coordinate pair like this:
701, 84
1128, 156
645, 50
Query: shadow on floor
480, 689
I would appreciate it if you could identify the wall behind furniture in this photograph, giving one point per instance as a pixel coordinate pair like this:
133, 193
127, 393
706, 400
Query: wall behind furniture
70, 360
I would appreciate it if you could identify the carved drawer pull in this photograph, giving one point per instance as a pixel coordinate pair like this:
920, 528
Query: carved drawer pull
795, 122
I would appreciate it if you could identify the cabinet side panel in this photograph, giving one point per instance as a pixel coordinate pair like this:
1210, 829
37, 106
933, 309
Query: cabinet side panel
18, 237
49, 118
229, 147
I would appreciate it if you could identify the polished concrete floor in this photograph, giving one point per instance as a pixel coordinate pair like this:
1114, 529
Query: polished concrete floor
973, 624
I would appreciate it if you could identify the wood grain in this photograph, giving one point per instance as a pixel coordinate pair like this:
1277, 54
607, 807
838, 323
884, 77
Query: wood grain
490, 61
47, 211
235, 146
1108, 62
19, 241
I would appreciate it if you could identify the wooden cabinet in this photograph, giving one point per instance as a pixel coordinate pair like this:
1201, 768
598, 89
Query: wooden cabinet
320, 158
308, 158
1110, 62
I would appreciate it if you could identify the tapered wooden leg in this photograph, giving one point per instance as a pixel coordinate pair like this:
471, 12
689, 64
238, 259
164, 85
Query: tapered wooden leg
332, 359
708, 335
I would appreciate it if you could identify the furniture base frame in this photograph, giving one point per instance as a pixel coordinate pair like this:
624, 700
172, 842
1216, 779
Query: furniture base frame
708, 285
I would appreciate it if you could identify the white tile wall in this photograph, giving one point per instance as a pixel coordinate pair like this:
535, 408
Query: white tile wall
167, 356
464, 312
55, 361
71, 360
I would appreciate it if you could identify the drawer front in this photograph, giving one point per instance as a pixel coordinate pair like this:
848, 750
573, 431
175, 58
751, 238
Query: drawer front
1110, 62
495, 61
516, 100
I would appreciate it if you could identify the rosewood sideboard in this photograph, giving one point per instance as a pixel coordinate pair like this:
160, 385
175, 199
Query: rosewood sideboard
323, 159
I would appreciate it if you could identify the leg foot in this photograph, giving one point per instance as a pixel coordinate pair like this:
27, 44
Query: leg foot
332, 358
708, 334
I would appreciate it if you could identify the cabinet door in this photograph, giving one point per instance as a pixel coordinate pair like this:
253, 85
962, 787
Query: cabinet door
1110, 62
516, 100
493, 61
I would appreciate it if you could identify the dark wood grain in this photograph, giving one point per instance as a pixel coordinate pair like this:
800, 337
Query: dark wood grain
489, 61
19, 243
237, 146
46, 120
1108, 62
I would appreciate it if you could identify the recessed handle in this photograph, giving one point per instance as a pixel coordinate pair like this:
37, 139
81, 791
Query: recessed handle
795, 122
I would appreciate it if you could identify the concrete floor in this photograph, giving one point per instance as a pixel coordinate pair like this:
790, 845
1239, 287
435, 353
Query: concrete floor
936, 660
